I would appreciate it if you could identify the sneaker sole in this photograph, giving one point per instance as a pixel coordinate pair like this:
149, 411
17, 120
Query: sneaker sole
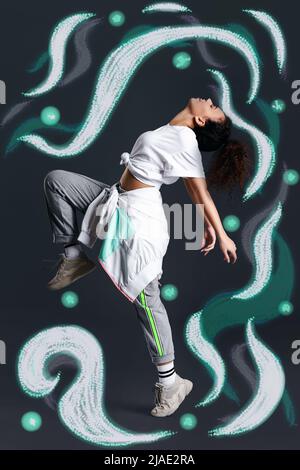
73, 280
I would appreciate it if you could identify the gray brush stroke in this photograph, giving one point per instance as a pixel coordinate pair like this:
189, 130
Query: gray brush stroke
238, 357
16, 109
201, 45
84, 56
251, 226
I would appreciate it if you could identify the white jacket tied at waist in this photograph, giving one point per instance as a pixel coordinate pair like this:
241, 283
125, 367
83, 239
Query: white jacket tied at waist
130, 262
99, 212
88, 233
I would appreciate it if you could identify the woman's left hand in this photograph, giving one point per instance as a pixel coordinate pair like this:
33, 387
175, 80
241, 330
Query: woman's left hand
209, 240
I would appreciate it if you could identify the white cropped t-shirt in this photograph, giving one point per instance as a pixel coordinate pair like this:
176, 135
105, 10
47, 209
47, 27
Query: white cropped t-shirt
163, 155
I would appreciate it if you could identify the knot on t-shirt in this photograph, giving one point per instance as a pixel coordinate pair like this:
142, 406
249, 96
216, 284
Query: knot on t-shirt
124, 158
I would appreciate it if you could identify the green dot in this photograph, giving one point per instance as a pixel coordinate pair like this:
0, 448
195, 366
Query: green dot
181, 60
50, 115
278, 106
169, 292
291, 177
31, 421
188, 421
285, 307
231, 223
116, 18
69, 299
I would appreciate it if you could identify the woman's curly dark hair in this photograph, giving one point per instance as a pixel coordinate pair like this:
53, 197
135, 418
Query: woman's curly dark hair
231, 165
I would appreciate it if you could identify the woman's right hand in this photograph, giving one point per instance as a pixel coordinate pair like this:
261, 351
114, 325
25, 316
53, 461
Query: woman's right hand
228, 249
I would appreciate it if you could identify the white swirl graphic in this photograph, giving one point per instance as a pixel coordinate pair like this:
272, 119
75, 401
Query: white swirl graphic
81, 407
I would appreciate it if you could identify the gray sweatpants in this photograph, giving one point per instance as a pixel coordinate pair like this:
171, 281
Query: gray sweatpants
65, 193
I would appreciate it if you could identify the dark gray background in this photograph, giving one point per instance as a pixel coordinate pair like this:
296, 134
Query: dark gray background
154, 96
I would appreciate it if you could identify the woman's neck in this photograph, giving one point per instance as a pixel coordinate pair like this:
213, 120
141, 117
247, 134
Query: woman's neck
183, 118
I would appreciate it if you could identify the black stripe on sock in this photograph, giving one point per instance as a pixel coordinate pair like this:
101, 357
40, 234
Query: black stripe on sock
167, 373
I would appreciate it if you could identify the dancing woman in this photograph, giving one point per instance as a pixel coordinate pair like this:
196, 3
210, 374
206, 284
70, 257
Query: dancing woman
131, 216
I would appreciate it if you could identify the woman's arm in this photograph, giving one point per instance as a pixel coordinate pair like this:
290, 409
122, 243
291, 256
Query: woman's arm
199, 194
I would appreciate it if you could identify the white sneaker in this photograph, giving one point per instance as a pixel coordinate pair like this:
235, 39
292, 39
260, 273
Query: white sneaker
168, 399
69, 270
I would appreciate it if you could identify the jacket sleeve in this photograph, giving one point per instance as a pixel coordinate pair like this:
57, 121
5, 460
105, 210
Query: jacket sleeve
187, 161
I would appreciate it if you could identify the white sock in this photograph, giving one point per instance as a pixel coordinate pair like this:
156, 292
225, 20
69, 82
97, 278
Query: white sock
73, 250
166, 373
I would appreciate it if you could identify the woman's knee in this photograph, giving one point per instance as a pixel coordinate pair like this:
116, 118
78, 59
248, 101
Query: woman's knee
54, 178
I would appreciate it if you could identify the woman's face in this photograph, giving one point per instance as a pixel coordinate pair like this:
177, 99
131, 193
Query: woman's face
205, 109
